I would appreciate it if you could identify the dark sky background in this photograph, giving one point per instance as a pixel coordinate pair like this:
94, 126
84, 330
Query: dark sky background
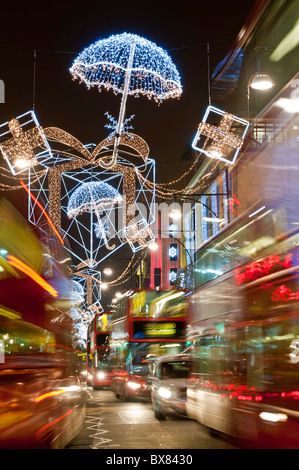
58, 31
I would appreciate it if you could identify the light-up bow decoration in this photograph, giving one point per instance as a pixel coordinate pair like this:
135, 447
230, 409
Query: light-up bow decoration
220, 135
94, 197
51, 179
130, 65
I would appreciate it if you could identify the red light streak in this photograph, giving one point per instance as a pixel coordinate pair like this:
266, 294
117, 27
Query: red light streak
52, 423
43, 211
31, 273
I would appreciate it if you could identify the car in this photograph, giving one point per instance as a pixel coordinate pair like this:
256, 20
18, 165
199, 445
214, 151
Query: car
133, 383
169, 385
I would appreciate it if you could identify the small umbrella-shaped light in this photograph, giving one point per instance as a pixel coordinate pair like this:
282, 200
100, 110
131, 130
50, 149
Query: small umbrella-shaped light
94, 196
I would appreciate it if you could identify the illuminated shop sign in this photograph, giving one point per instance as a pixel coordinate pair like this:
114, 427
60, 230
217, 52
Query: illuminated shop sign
284, 294
155, 330
264, 267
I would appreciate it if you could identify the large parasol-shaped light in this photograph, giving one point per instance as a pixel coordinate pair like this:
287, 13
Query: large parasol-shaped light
131, 65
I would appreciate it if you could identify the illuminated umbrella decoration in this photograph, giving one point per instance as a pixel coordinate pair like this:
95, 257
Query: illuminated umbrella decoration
131, 65
94, 197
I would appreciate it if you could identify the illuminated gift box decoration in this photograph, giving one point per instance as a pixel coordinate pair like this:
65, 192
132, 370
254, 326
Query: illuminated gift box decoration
139, 234
23, 143
220, 135
96, 230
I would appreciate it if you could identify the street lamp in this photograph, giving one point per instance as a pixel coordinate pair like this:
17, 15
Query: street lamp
260, 81
153, 246
175, 214
107, 271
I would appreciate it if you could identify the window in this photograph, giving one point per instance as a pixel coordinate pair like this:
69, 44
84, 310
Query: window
173, 275
173, 252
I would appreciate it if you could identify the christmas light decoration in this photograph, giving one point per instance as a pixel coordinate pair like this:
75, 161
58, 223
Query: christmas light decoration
139, 235
223, 140
77, 293
173, 275
130, 65
23, 143
106, 63
54, 186
94, 196
63, 181
90, 281
173, 252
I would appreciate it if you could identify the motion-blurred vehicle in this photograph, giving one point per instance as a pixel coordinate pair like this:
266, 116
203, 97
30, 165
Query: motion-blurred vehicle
146, 323
99, 370
42, 401
135, 383
244, 330
169, 386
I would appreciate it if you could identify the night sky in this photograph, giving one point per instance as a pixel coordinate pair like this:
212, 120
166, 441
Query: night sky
58, 31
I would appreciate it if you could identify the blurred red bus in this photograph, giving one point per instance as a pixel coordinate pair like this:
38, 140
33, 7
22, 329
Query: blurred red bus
99, 371
146, 324
244, 329
42, 402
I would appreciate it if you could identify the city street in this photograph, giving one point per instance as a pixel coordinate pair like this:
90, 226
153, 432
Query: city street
149, 230
118, 424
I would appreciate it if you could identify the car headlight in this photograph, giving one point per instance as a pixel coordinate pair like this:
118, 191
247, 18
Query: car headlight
100, 375
133, 385
164, 392
273, 417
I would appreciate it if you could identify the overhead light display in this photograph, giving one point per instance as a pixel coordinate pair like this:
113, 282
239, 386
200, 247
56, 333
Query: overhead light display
130, 65
23, 143
220, 135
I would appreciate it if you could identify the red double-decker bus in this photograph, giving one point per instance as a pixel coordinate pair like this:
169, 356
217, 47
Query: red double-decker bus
99, 372
146, 324
42, 401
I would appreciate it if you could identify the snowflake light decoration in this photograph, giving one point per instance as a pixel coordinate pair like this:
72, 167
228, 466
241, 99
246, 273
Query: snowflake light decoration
131, 65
